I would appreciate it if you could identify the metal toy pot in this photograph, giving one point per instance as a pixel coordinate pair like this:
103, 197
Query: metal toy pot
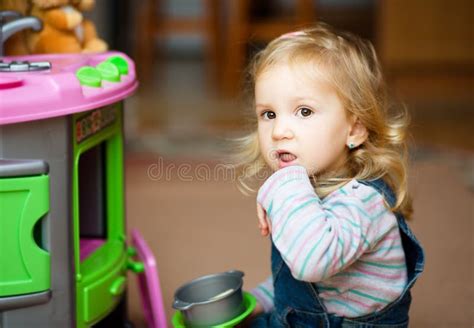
211, 299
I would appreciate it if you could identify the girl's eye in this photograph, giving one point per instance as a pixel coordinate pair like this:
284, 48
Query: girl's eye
304, 112
269, 115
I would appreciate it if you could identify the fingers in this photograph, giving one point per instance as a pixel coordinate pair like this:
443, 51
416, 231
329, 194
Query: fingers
261, 216
269, 223
262, 221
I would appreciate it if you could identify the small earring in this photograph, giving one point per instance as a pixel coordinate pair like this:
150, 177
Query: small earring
351, 145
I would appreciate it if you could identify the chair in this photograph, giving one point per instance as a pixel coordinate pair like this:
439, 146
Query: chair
152, 22
242, 29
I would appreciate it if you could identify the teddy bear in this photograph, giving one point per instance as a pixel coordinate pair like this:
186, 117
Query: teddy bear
87, 32
64, 28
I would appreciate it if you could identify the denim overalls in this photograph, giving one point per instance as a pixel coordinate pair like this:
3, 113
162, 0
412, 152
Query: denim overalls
297, 303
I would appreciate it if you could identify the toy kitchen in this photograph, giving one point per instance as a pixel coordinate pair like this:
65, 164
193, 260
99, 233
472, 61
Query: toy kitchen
63, 245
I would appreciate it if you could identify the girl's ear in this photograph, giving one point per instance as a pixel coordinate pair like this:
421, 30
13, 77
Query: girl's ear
357, 134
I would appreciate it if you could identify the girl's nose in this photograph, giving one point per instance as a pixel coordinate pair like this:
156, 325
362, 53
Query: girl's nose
282, 130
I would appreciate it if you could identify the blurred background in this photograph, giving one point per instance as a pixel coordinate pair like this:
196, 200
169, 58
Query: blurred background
190, 56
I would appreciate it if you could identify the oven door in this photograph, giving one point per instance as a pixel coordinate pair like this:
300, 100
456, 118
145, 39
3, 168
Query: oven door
143, 263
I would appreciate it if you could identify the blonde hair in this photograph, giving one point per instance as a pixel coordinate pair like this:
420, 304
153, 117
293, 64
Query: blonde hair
355, 73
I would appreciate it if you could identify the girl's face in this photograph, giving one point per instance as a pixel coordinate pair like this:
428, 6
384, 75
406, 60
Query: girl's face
301, 120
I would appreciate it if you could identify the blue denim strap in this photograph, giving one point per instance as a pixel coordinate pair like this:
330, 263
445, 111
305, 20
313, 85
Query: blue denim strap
413, 251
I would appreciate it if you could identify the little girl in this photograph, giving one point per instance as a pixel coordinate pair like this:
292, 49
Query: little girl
336, 203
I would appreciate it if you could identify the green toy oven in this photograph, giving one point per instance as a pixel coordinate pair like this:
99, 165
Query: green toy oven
63, 253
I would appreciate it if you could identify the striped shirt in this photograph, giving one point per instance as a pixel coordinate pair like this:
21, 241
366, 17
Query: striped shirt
348, 243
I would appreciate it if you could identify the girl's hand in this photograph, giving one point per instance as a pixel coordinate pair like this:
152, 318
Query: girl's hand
264, 223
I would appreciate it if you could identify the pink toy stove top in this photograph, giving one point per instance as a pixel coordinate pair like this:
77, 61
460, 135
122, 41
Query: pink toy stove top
50, 86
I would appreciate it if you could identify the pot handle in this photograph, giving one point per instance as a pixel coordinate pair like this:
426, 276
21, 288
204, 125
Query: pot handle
236, 273
180, 305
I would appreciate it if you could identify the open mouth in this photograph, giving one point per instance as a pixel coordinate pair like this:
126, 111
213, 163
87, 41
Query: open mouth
285, 158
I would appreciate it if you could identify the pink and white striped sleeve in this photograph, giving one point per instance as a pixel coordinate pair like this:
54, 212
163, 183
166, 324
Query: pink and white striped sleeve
315, 240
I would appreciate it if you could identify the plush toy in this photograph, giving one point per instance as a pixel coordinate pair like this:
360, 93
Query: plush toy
65, 30
87, 32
